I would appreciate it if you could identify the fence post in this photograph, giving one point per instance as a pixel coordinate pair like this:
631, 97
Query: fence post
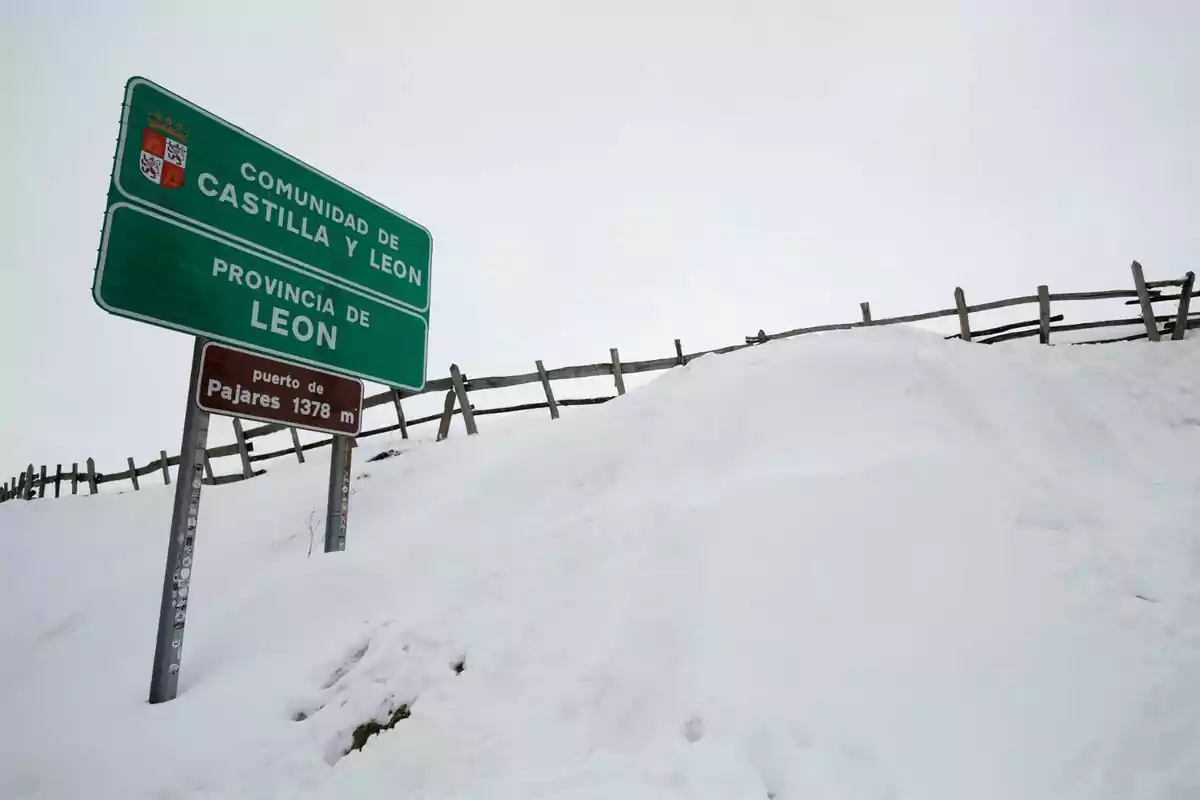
133, 476
447, 416
4, 492
618, 378
400, 414
1185, 301
91, 476
57, 481
866, 312
42, 483
29, 482
1139, 283
964, 324
74, 477
546, 387
20, 484
680, 360
247, 471
1044, 314
460, 389
166, 471
296, 445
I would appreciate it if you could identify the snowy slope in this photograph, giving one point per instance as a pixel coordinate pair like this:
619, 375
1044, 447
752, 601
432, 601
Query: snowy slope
857, 566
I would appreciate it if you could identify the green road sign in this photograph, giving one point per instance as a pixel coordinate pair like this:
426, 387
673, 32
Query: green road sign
160, 271
190, 190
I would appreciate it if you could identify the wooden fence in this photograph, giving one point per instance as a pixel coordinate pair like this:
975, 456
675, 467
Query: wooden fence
458, 387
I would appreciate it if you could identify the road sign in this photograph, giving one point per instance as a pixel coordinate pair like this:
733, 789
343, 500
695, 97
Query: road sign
243, 384
193, 166
156, 270
211, 231
214, 232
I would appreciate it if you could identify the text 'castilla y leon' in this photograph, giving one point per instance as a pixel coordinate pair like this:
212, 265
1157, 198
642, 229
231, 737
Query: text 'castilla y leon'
308, 218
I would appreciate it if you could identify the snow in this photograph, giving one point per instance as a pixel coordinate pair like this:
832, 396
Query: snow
855, 566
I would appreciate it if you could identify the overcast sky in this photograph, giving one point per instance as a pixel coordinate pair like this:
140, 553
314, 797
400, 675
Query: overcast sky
612, 178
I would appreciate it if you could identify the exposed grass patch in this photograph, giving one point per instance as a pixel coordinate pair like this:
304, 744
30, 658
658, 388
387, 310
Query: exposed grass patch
369, 728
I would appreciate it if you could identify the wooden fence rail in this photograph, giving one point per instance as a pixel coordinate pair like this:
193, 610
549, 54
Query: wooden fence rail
458, 387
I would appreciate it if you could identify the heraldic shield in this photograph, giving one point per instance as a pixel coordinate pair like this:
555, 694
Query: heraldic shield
164, 152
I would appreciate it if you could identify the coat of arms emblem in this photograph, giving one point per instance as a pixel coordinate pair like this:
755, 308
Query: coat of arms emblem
164, 152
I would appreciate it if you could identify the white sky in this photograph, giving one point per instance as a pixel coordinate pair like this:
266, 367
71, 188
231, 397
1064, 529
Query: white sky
620, 177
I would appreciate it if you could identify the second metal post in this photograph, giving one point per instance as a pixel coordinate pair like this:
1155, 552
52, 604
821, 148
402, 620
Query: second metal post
338, 507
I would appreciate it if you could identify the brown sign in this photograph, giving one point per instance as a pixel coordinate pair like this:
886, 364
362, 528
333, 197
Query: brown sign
242, 384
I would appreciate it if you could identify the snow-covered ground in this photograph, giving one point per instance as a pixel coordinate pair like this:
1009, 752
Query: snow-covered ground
854, 566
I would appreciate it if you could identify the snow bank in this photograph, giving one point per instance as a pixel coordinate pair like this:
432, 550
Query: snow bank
858, 566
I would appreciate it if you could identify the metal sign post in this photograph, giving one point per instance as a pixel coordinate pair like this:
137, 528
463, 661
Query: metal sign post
172, 613
339, 493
